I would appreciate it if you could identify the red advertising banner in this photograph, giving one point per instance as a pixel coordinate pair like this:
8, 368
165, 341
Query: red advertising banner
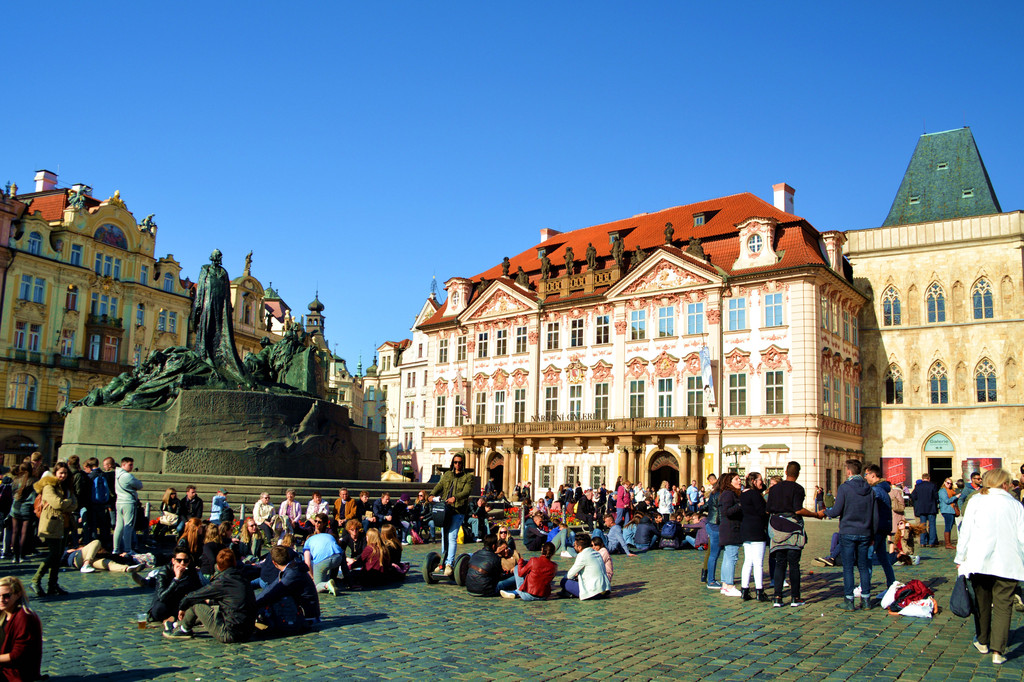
897, 470
982, 465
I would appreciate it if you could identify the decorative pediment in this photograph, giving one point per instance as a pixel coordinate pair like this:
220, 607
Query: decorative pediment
499, 301
636, 368
440, 387
500, 379
519, 377
665, 365
773, 358
691, 363
662, 274
600, 371
552, 376
480, 381
738, 361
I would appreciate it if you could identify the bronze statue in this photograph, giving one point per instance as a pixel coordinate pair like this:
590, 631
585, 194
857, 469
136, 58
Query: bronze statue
522, 279
210, 321
669, 231
694, 248
570, 261
545, 267
147, 224
504, 267
617, 252
248, 262
591, 257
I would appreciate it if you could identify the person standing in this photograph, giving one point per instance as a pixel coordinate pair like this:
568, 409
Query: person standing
858, 518
729, 530
970, 489
991, 553
664, 499
947, 507
58, 503
786, 514
754, 534
819, 498
926, 505
623, 502
711, 526
126, 487
692, 497
882, 490
456, 485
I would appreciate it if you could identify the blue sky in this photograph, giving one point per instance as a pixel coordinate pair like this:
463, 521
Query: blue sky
364, 148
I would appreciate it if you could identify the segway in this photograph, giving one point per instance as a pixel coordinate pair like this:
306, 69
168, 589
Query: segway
433, 564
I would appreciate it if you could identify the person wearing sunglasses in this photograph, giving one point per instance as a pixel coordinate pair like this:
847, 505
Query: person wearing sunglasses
21, 645
170, 583
455, 485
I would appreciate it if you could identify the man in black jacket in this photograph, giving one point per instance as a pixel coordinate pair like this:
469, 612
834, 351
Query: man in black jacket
293, 580
585, 509
171, 582
926, 505
484, 569
226, 607
536, 533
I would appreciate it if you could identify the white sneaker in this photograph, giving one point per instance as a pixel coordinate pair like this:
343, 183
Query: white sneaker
508, 595
730, 591
982, 648
998, 658
87, 569
567, 555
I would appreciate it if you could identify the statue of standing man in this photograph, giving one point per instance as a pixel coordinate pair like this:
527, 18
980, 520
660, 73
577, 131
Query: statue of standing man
210, 320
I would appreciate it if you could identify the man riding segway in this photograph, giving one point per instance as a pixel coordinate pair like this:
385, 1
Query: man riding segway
456, 485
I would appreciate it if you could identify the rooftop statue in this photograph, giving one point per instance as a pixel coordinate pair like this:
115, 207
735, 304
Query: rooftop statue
669, 231
591, 257
570, 261
545, 266
505, 266
211, 324
617, 252
522, 279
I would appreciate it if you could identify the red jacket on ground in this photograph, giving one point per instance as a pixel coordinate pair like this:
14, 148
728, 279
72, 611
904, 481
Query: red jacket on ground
537, 574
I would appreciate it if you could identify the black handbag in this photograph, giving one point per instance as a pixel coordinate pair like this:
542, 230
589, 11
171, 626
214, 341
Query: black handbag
960, 602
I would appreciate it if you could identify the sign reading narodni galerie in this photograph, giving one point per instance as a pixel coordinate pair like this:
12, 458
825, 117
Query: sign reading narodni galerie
939, 442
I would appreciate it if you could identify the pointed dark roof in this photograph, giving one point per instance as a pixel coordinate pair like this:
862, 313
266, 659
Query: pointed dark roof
945, 179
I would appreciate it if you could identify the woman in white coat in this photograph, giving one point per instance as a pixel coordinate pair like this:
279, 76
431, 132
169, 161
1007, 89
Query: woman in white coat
991, 552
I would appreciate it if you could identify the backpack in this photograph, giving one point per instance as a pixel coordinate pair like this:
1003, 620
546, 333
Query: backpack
38, 506
670, 529
100, 490
897, 500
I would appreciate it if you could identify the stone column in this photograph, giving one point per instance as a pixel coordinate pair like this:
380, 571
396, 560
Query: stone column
623, 463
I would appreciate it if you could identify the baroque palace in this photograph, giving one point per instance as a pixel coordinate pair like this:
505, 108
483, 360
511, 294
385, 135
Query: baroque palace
665, 346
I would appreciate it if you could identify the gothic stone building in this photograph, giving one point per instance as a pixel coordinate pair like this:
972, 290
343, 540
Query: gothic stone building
581, 357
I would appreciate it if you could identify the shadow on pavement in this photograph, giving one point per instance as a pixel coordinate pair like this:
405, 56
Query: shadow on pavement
628, 588
124, 676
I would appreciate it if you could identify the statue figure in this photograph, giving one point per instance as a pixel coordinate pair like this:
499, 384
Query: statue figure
694, 248
639, 256
268, 320
504, 267
669, 231
570, 261
147, 224
210, 321
545, 267
248, 262
591, 257
76, 199
617, 253
521, 278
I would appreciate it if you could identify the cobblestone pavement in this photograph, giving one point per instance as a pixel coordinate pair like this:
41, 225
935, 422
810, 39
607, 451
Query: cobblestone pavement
661, 624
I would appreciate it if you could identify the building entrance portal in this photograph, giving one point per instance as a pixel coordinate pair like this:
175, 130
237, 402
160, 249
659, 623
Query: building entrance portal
496, 472
664, 467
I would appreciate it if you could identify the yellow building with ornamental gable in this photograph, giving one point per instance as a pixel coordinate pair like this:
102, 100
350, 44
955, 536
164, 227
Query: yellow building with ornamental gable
84, 298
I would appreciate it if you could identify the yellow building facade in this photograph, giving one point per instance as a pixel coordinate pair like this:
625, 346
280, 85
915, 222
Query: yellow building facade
84, 298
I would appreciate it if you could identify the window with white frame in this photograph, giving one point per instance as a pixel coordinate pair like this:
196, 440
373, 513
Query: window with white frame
738, 395
836, 397
20, 335
695, 396
826, 384
602, 329
552, 336
35, 331
35, 243
847, 402
67, 343
601, 401
546, 475
665, 397
501, 342
440, 411
460, 349
773, 396
576, 333
636, 398
737, 313
458, 410
21, 393
597, 477
499, 407
550, 402
637, 325
666, 321
695, 318
773, 310
575, 401
442, 351
520, 339
76, 254
480, 410
481, 345
519, 405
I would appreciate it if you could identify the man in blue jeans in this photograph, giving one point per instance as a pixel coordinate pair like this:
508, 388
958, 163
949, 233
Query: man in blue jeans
858, 518
455, 485
880, 488
926, 506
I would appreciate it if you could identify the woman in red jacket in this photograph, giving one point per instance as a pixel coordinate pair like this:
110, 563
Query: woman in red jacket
536, 575
21, 633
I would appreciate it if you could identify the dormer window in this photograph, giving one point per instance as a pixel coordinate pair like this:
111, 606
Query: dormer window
942, 165
915, 199
754, 244
967, 193
698, 219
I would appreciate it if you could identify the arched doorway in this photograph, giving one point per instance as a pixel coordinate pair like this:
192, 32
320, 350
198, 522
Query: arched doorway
664, 467
16, 448
939, 453
496, 472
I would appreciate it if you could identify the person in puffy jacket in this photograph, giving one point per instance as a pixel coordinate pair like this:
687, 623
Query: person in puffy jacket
58, 505
858, 519
484, 569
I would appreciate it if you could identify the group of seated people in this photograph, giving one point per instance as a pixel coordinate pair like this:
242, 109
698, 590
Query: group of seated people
497, 569
210, 567
644, 531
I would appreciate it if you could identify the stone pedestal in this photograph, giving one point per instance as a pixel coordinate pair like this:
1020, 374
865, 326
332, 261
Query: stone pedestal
241, 433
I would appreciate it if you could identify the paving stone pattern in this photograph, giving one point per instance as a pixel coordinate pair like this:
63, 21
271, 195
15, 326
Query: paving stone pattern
662, 624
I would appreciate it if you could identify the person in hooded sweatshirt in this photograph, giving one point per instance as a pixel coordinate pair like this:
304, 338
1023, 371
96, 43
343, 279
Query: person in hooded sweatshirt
881, 489
857, 512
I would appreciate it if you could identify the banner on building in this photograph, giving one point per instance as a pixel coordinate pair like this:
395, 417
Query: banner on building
705, 372
897, 470
980, 465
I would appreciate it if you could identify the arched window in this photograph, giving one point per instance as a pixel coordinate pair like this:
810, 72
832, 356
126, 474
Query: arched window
891, 307
981, 295
63, 393
894, 385
35, 243
939, 384
936, 300
168, 282
21, 394
985, 380
246, 309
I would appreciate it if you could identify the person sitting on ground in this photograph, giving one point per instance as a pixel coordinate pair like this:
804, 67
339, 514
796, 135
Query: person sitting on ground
585, 509
170, 583
94, 557
353, 539
615, 540
598, 545
373, 567
534, 576
586, 578
324, 557
250, 542
170, 514
536, 532
226, 607
292, 595
400, 514
484, 569
191, 539
263, 514
562, 538
21, 633
266, 567
509, 559
213, 543
389, 538
647, 536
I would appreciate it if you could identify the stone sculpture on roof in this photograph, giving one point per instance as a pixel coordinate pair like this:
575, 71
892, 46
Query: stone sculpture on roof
504, 267
694, 248
570, 261
545, 267
669, 231
591, 257
522, 279
617, 252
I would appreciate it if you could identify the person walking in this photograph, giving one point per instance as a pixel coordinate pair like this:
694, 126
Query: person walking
947, 507
59, 502
991, 553
858, 518
926, 505
729, 530
754, 534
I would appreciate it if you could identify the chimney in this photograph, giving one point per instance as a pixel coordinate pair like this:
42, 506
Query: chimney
833, 241
83, 188
784, 197
45, 180
547, 233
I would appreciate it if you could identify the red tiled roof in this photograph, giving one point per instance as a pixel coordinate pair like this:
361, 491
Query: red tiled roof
51, 204
795, 240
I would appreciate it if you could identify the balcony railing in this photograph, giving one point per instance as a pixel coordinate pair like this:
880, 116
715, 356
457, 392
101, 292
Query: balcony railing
103, 320
590, 426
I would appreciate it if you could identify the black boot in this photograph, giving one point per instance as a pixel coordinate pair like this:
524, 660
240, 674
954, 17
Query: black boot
848, 604
761, 596
704, 576
866, 603
746, 594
